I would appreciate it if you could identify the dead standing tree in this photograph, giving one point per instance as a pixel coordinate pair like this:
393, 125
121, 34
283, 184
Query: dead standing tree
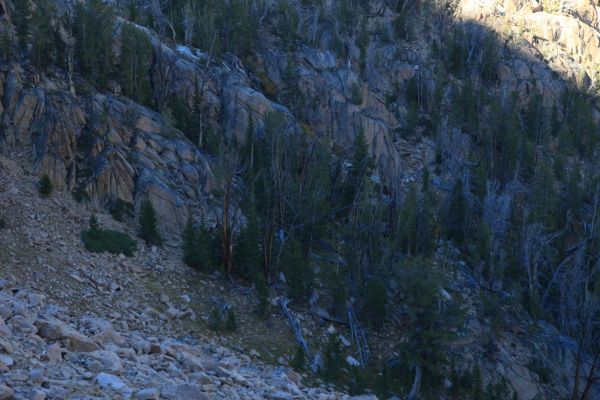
229, 168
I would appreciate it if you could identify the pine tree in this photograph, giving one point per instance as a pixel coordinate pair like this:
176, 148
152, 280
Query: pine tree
191, 250
21, 21
262, 292
332, 359
94, 25
408, 222
135, 64
248, 257
457, 214
215, 322
45, 186
360, 168
94, 231
147, 223
376, 300
299, 359
298, 270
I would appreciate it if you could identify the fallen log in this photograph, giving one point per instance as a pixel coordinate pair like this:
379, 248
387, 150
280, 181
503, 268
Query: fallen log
295, 325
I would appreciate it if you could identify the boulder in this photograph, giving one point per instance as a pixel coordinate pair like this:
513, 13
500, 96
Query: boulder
148, 394
103, 361
54, 329
184, 391
107, 381
6, 393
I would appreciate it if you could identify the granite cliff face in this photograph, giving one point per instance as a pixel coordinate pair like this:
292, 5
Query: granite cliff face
108, 148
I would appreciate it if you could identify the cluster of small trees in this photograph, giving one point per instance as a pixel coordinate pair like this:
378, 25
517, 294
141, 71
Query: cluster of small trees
99, 240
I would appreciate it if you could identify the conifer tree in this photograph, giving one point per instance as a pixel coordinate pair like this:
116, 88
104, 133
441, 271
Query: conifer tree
376, 299
191, 250
457, 214
262, 292
21, 20
94, 231
147, 224
332, 359
360, 168
45, 186
299, 359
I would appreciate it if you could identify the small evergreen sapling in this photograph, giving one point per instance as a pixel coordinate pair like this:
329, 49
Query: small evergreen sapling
147, 224
214, 320
262, 292
45, 186
299, 359
191, 251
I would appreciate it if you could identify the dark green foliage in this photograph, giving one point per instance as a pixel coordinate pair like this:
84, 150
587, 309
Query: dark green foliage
262, 293
332, 357
489, 59
429, 328
7, 50
45, 186
3, 224
360, 169
121, 209
134, 65
230, 322
287, 27
99, 240
192, 255
147, 224
45, 43
539, 367
215, 320
357, 381
298, 272
21, 21
219, 321
248, 258
376, 300
299, 359
94, 25
456, 218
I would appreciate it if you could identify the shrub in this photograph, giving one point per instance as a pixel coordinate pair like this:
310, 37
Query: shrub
120, 209
262, 292
332, 360
376, 299
196, 246
2, 223
299, 359
147, 224
45, 186
215, 322
230, 323
99, 240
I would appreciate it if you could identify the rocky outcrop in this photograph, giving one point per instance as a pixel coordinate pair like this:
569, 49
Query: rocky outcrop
102, 148
109, 149
68, 356
563, 36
